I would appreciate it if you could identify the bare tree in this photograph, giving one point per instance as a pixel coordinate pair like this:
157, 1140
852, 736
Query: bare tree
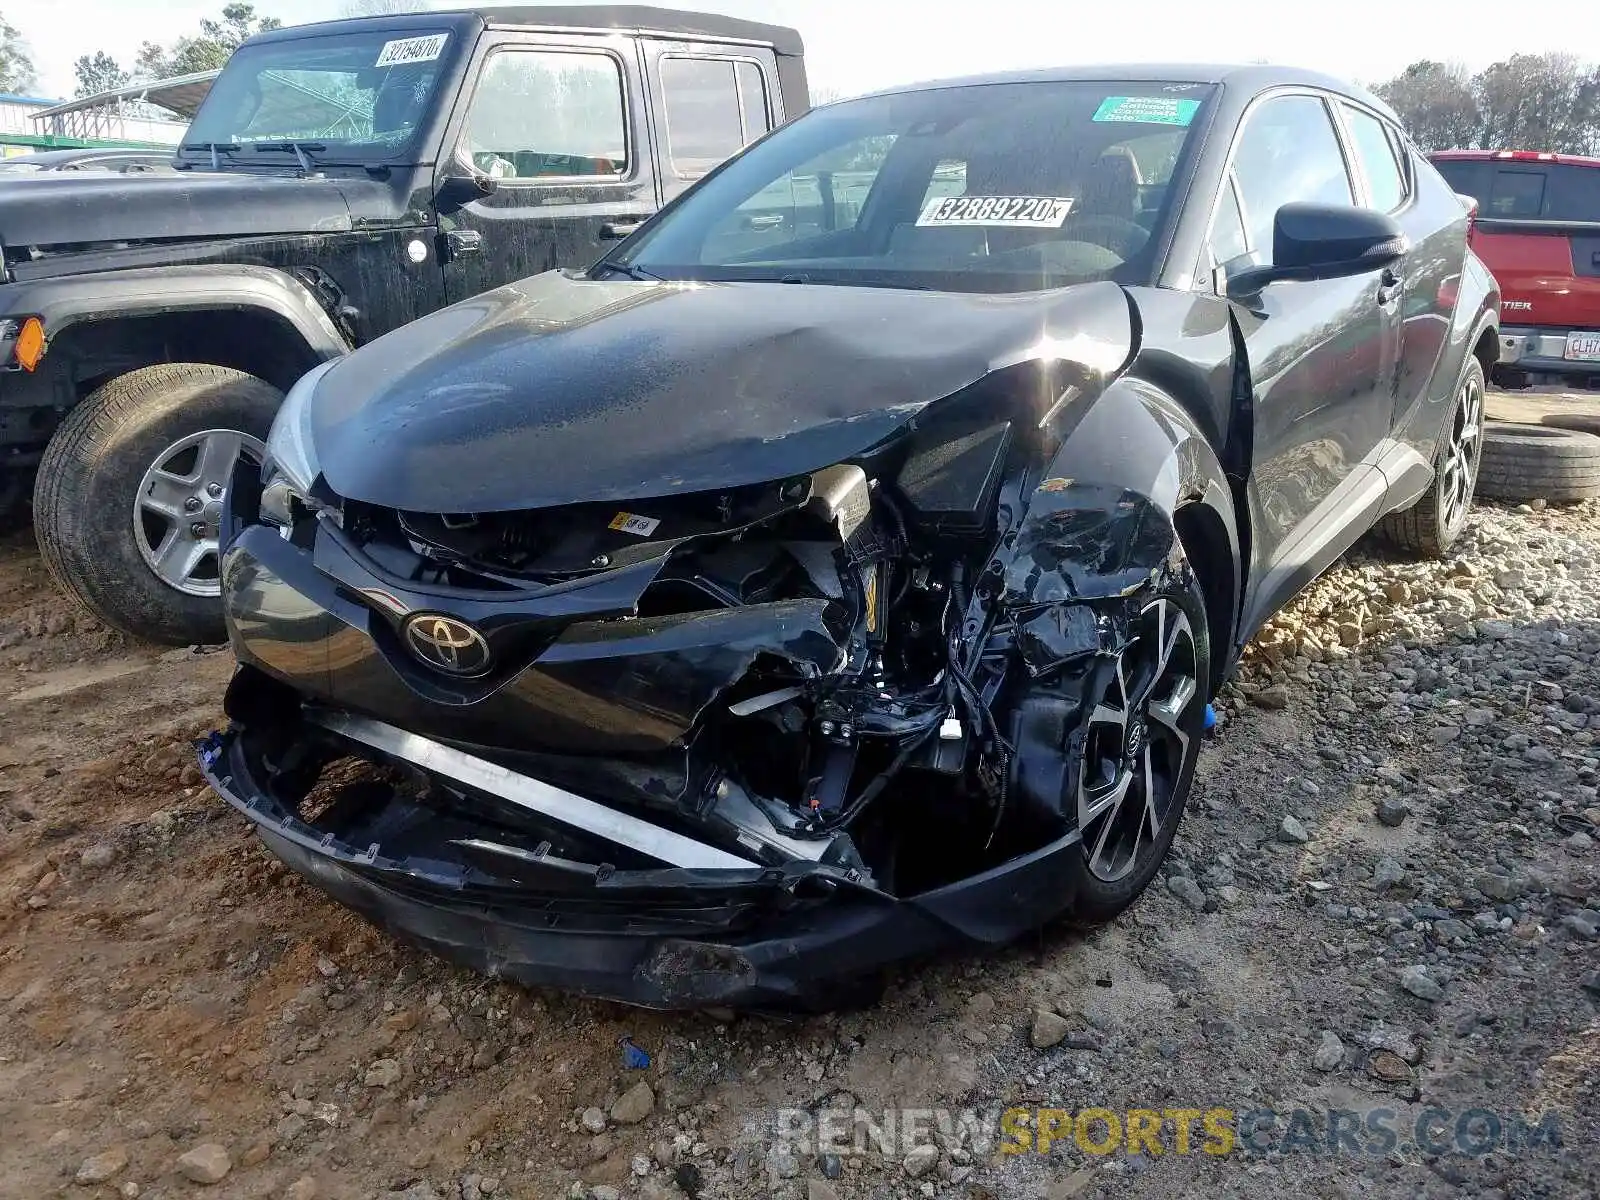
1436, 104
1525, 102
1536, 102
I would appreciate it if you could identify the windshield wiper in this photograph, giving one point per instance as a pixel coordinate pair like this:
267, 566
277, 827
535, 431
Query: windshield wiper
632, 272
302, 151
215, 148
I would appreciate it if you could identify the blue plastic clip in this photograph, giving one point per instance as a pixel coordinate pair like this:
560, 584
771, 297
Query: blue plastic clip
1211, 718
633, 1058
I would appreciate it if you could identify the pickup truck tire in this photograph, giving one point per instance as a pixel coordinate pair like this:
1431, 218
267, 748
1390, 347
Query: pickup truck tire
120, 481
1430, 526
1539, 462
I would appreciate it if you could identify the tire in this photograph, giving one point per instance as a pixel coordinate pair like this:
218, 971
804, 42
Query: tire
91, 476
1539, 462
1580, 422
1431, 526
1099, 894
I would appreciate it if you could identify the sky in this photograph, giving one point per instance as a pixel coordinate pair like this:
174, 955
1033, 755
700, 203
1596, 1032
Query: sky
856, 45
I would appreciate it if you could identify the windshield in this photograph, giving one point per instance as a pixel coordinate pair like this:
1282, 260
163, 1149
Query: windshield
359, 96
991, 187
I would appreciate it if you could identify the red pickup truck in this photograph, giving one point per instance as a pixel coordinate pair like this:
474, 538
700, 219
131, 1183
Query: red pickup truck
1537, 227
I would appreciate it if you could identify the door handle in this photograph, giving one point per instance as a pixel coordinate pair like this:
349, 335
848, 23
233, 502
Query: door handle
766, 221
1389, 286
463, 241
615, 231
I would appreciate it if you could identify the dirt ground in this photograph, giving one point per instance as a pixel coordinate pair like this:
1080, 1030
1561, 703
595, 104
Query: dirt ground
165, 985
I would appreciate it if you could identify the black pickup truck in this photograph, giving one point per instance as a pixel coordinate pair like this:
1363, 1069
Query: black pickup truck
340, 180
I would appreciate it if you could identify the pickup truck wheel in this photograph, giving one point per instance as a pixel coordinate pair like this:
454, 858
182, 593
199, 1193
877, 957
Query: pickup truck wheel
1430, 526
129, 495
1540, 462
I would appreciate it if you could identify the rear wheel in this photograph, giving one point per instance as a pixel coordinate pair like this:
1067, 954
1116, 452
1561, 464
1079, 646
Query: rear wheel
1136, 750
1430, 526
129, 495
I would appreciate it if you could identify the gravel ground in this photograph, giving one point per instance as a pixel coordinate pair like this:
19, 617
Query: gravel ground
1384, 900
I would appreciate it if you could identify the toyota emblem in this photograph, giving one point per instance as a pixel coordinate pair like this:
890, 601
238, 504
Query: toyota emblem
447, 644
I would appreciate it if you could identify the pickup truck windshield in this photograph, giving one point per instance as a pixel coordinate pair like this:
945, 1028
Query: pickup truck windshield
355, 96
987, 187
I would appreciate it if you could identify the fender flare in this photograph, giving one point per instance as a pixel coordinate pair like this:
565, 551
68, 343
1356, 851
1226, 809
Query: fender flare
1102, 527
64, 302
1477, 307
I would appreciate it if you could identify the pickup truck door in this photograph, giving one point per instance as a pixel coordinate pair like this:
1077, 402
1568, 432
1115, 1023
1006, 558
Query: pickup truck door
710, 100
561, 125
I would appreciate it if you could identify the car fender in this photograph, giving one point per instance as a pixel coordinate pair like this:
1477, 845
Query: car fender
1476, 311
64, 302
1103, 526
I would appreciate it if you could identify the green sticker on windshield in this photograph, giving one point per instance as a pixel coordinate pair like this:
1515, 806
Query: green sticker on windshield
1147, 110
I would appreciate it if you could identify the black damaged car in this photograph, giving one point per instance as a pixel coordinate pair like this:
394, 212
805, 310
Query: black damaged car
839, 569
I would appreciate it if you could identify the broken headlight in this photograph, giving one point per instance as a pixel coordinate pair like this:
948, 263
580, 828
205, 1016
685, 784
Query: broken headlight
290, 466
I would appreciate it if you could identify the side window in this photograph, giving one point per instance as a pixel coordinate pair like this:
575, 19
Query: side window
1288, 151
548, 114
949, 178
1516, 193
715, 107
1227, 228
752, 100
1378, 164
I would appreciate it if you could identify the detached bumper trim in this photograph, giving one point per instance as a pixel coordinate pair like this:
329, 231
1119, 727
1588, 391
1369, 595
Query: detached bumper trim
669, 939
532, 794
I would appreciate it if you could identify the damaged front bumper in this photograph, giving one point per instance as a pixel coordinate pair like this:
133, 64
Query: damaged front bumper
503, 900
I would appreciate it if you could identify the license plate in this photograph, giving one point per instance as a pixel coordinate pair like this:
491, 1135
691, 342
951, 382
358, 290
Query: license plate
1583, 347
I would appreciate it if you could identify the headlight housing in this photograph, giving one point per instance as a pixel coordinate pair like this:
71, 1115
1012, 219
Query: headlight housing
291, 466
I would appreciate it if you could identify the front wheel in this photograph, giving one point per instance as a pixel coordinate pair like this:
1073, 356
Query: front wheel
128, 499
1135, 751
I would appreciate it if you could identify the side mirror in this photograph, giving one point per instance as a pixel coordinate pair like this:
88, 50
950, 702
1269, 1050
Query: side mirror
1324, 241
457, 191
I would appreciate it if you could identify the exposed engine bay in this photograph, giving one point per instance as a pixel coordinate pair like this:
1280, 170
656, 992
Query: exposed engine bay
859, 730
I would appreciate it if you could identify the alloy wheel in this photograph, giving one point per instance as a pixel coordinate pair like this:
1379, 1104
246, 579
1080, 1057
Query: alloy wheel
1137, 742
1459, 473
177, 511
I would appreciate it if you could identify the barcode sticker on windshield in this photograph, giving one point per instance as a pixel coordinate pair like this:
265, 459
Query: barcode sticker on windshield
1030, 212
633, 523
412, 50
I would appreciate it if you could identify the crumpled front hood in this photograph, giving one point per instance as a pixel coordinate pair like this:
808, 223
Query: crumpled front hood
559, 389
66, 207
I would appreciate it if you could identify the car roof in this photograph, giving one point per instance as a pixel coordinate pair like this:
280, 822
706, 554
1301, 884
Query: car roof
611, 18
1570, 160
1248, 78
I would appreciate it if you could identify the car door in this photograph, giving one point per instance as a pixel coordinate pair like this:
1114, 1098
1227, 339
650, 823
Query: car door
1420, 287
711, 101
560, 127
1316, 354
